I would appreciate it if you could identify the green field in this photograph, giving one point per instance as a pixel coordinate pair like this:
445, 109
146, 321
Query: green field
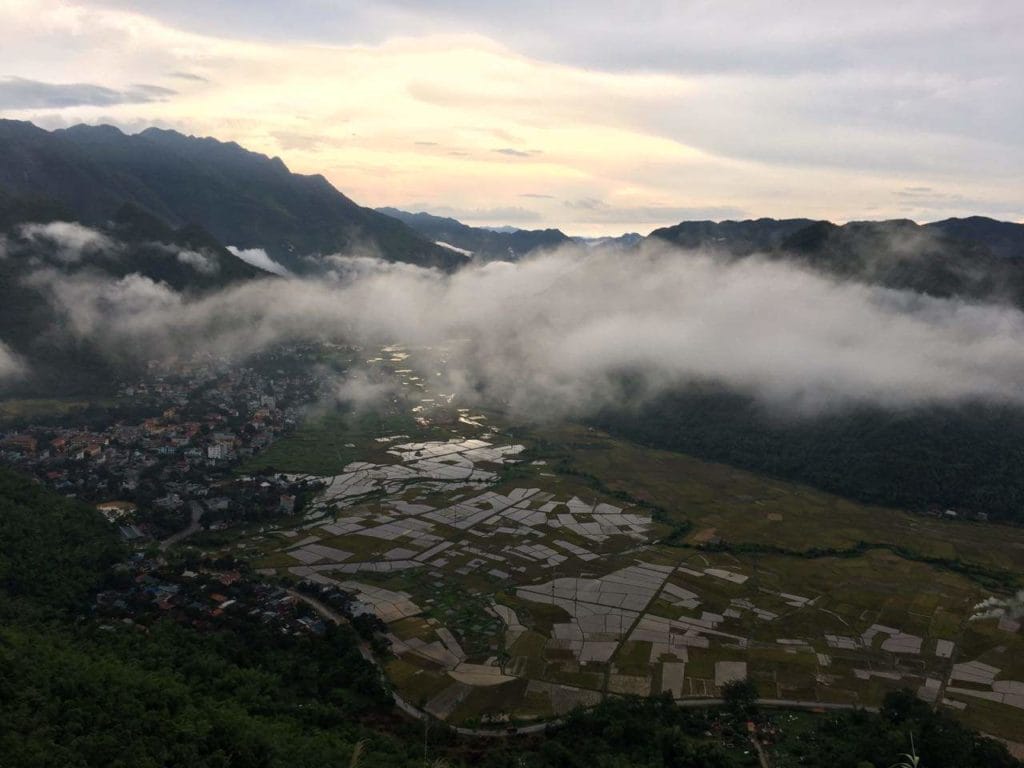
854, 566
18, 411
741, 507
326, 441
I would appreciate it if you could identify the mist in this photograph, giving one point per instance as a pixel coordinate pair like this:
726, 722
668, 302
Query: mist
558, 333
70, 241
11, 366
259, 258
998, 607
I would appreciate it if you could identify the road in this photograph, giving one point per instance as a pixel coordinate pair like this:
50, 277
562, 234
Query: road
403, 704
188, 530
418, 714
761, 756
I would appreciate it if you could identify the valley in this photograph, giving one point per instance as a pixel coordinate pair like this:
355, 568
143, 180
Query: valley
522, 571
483, 385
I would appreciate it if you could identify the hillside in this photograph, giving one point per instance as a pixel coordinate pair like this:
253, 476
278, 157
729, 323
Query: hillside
486, 244
966, 457
242, 198
973, 258
738, 238
188, 260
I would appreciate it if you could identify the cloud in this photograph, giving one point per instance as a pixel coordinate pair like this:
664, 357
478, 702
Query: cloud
915, 191
156, 91
304, 141
516, 152
361, 391
188, 76
20, 93
781, 112
537, 196
69, 241
203, 263
258, 257
559, 333
11, 366
586, 204
511, 213
590, 211
997, 608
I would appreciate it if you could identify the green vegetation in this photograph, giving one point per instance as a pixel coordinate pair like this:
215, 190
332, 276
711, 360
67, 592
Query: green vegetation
81, 693
967, 458
75, 691
753, 513
326, 442
53, 552
241, 197
860, 739
24, 411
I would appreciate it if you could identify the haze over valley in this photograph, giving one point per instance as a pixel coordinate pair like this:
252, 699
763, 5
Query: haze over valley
595, 464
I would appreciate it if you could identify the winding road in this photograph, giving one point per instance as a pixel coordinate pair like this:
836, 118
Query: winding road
188, 530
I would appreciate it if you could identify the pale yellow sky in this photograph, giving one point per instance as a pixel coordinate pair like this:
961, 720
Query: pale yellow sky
463, 122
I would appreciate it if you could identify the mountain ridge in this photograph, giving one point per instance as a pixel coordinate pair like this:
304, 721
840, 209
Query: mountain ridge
243, 198
485, 244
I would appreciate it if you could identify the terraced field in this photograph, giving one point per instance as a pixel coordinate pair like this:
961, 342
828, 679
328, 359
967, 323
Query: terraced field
522, 572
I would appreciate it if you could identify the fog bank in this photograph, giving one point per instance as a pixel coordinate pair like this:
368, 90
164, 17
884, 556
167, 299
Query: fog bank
556, 334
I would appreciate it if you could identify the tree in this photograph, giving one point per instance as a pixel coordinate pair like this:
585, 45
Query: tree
740, 698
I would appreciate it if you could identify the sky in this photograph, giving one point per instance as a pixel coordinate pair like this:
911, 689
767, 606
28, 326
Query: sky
595, 117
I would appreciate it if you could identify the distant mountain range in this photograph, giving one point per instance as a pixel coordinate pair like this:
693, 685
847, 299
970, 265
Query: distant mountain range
241, 198
974, 257
248, 200
498, 243
93, 202
505, 243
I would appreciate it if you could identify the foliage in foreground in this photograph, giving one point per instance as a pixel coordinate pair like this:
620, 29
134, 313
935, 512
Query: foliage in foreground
75, 692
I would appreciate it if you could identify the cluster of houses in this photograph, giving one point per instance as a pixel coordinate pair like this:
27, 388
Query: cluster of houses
148, 589
165, 453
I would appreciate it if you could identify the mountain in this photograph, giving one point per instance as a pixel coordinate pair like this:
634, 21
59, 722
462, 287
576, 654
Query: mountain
739, 238
974, 258
486, 244
904, 255
188, 260
966, 457
627, 240
241, 198
1003, 238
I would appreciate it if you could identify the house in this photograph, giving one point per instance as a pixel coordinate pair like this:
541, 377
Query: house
218, 451
22, 443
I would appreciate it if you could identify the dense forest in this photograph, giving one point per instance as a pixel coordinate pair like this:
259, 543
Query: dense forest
79, 690
968, 458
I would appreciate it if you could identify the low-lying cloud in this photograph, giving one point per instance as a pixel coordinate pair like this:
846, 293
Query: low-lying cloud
70, 241
559, 333
259, 258
11, 366
203, 263
997, 608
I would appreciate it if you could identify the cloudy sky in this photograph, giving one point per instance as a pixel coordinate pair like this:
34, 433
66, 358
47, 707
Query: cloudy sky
597, 117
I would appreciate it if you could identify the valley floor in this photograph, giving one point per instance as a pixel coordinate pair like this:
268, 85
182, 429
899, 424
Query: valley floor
524, 572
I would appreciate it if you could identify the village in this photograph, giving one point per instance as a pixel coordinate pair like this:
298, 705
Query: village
203, 594
492, 586
164, 455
